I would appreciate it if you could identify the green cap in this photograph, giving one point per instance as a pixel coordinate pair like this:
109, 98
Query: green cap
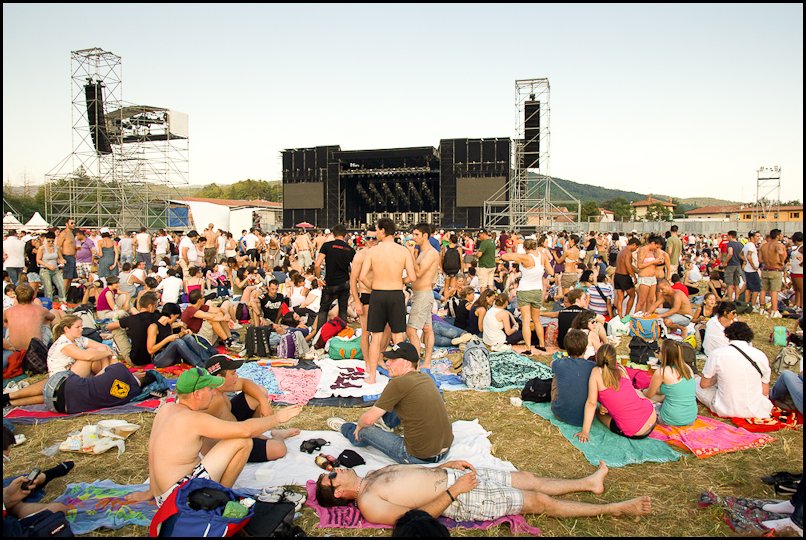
196, 379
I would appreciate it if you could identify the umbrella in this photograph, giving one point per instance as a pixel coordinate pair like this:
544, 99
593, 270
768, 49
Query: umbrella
304, 225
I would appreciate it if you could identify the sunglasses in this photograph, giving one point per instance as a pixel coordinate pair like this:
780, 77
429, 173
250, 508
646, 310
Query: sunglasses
330, 476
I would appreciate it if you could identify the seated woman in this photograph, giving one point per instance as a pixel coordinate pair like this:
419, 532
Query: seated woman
446, 334
589, 322
716, 286
459, 308
193, 280
625, 411
74, 352
298, 293
310, 305
478, 310
673, 386
168, 344
499, 327
692, 275
703, 313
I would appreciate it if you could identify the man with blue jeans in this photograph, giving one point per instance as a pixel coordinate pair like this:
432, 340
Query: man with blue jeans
411, 399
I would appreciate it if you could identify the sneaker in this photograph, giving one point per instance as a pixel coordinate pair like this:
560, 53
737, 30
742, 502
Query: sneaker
464, 338
335, 423
775, 315
381, 424
501, 348
439, 353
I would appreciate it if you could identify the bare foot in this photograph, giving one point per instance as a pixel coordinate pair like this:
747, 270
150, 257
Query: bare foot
369, 379
280, 434
639, 506
597, 479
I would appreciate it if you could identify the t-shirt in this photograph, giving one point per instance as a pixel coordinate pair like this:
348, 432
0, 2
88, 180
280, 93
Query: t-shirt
194, 323
738, 389
570, 388
143, 242
487, 249
597, 302
714, 336
57, 360
171, 288
115, 386
136, 327
565, 318
250, 240
161, 244
84, 252
186, 242
680, 287
416, 401
338, 256
125, 245
750, 254
674, 247
737, 249
271, 306
15, 250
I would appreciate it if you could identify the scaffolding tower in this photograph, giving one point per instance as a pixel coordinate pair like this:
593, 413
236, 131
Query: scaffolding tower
127, 160
768, 193
526, 199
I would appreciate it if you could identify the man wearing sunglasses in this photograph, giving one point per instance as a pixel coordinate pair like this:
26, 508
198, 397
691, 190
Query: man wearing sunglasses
459, 491
180, 428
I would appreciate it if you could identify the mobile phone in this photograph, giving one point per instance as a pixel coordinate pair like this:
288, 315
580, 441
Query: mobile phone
29, 480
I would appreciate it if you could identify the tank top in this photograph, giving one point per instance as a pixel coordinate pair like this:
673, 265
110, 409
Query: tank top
629, 411
794, 266
296, 296
473, 322
532, 278
102, 304
680, 404
50, 257
493, 333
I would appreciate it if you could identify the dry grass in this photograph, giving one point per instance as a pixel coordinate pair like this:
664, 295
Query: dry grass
529, 442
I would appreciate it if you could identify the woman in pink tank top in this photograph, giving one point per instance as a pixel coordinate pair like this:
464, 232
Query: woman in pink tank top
624, 411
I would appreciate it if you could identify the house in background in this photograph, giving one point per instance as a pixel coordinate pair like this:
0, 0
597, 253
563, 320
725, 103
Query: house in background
641, 207
746, 212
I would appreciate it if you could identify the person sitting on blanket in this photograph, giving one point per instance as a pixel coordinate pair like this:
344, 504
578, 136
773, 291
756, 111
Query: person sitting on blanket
169, 342
735, 380
673, 386
569, 387
714, 337
83, 375
26, 320
131, 333
679, 315
179, 431
251, 401
625, 410
412, 400
593, 326
459, 491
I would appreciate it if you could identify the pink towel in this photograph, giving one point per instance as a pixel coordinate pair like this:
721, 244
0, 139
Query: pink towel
348, 517
707, 437
299, 385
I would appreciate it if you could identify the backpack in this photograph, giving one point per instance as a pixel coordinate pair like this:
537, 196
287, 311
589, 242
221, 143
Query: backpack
43, 524
789, 356
292, 345
641, 350
689, 355
329, 329
273, 520
646, 329
257, 341
537, 390
76, 294
36, 357
476, 365
451, 262
87, 319
743, 308
340, 348
176, 518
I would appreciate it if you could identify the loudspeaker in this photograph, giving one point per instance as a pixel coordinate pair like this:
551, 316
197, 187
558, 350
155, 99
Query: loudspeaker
531, 123
95, 115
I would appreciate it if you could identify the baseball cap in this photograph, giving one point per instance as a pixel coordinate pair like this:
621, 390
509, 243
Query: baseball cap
327, 231
196, 379
221, 362
104, 230
162, 263
403, 350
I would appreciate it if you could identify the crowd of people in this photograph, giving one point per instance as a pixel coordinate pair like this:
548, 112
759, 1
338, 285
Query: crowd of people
94, 299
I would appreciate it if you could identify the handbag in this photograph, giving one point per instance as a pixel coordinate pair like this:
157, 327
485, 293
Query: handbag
36, 357
257, 341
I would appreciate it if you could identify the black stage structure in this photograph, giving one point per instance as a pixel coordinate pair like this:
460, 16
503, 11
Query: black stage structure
445, 187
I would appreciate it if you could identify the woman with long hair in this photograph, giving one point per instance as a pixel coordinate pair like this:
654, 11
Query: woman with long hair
629, 413
478, 310
673, 386
588, 322
499, 327
108, 255
50, 262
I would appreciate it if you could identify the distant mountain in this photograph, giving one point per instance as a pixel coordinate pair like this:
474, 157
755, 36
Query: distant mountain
699, 202
588, 192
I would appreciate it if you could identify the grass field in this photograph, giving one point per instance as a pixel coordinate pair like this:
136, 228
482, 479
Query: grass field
528, 441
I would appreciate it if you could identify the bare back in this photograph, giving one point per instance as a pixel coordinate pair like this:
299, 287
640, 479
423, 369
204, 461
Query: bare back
624, 262
358, 262
387, 262
24, 322
772, 254
173, 448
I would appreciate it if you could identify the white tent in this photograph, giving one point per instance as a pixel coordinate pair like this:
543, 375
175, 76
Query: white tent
36, 223
10, 222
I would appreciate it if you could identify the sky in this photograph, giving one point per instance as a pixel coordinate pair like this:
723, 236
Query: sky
683, 100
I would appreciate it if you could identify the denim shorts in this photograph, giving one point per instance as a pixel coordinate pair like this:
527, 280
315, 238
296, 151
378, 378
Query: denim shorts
49, 391
753, 281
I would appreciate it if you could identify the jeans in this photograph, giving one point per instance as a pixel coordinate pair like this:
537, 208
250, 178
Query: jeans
340, 292
144, 257
126, 258
390, 444
185, 349
444, 333
791, 384
48, 276
14, 275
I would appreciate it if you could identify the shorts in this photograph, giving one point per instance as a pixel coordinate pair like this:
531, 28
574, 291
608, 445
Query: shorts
648, 281
69, 270
53, 384
387, 307
241, 411
678, 319
569, 279
617, 430
772, 280
206, 331
364, 297
304, 258
530, 298
422, 304
492, 498
485, 276
450, 272
198, 472
84, 270
753, 281
732, 275
623, 282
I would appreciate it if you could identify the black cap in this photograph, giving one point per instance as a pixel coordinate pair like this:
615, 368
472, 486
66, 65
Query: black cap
221, 362
403, 350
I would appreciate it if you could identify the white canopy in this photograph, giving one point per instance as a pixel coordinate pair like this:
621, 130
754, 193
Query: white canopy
10, 222
36, 223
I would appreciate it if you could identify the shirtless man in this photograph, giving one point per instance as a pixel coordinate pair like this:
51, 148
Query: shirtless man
303, 246
320, 239
648, 260
679, 316
387, 302
359, 291
210, 238
623, 278
26, 320
426, 265
66, 244
457, 490
570, 258
773, 256
251, 402
178, 434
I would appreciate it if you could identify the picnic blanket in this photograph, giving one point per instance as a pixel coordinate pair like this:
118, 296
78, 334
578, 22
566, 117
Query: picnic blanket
296, 385
615, 450
708, 437
743, 516
100, 504
33, 414
262, 376
345, 378
779, 419
471, 443
349, 517
174, 371
510, 370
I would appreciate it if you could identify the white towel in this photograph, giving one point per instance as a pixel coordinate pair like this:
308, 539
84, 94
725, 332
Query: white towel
333, 369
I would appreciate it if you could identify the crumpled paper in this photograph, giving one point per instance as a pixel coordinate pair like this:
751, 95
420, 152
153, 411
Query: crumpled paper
94, 440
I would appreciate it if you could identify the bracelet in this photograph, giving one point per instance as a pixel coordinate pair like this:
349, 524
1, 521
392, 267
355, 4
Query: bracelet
448, 491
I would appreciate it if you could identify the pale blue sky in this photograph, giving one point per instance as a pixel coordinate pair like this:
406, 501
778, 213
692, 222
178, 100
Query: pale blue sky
687, 100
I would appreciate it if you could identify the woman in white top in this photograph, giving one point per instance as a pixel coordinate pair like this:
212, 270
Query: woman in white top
533, 265
588, 322
499, 327
796, 268
692, 275
298, 292
73, 352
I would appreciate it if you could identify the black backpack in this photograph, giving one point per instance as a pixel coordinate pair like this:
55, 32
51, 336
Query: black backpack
641, 350
451, 262
537, 390
36, 357
273, 520
257, 341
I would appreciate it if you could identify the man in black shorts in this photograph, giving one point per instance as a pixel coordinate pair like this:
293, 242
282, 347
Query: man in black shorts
359, 292
623, 278
251, 402
337, 256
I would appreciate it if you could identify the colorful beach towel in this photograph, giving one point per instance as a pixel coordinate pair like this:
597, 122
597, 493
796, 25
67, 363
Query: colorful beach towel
262, 376
33, 414
708, 437
296, 385
101, 504
511, 370
171, 371
349, 517
615, 450
779, 419
345, 378
743, 516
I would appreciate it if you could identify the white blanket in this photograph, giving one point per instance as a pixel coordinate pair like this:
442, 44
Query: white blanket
470, 443
350, 377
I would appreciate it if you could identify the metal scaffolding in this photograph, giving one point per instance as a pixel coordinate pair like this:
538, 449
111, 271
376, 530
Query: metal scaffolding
526, 200
768, 193
127, 160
